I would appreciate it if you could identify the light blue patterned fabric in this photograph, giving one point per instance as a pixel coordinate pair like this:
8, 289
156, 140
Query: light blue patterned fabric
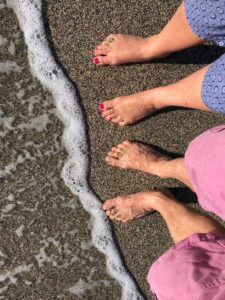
207, 20
213, 86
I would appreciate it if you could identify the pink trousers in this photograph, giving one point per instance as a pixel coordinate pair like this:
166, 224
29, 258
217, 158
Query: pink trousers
195, 267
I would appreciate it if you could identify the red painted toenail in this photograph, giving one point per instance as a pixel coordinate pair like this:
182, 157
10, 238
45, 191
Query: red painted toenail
96, 61
101, 106
94, 52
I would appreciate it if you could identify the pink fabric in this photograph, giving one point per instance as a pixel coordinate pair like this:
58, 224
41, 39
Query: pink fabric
205, 165
193, 269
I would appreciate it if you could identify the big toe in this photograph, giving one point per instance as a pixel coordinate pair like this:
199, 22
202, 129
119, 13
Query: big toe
106, 105
112, 160
110, 203
101, 60
115, 152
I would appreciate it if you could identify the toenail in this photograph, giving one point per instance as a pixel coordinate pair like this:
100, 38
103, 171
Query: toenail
101, 106
94, 52
96, 61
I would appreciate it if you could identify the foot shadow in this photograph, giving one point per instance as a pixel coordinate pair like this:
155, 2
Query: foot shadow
161, 111
201, 54
184, 195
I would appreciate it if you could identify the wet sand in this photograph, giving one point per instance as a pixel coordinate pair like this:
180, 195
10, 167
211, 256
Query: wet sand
74, 28
46, 250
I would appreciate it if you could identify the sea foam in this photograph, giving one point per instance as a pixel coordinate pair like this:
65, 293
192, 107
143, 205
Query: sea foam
75, 170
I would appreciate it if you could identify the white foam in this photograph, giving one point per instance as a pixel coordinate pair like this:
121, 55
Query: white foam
38, 123
9, 66
19, 231
3, 41
11, 167
20, 94
10, 277
43, 258
75, 169
6, 121
11, 197
82, 286
8, 208
2, 4
12, 48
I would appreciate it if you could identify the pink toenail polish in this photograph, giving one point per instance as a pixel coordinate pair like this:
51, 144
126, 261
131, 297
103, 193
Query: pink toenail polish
96, 61
94, 52
101, 106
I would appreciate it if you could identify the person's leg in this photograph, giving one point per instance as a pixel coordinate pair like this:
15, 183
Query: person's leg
132, 155
127, 110
176, 35
182, 221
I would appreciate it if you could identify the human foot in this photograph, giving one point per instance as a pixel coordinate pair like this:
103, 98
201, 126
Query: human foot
131, 155
129, 207
127, 110
118, 49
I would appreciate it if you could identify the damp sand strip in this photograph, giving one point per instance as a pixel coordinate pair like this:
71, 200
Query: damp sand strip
75, 170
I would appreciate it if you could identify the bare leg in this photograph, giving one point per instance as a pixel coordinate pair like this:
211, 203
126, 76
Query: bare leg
176, 35
182, 221
127, 110
131, 155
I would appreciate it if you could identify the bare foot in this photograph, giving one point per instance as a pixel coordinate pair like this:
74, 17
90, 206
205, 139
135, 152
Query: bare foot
131, 155
129, 207
118, 49
126, 110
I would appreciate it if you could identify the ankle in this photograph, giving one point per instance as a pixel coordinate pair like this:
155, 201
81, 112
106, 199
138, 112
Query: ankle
155, 46
160, 200
151, 47
161, 168
157, 98
173, 168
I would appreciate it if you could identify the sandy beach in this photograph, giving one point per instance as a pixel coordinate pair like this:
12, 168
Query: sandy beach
45, 233
75, 28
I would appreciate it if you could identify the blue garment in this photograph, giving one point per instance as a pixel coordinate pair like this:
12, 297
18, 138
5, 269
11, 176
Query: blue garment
207, 20
213, 86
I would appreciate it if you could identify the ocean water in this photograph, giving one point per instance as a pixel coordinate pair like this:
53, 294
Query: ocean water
51, 224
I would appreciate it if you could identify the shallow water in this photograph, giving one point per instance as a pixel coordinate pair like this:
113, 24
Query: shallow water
46, 251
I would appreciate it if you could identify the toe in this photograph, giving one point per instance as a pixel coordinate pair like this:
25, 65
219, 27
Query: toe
112, 160
117, 149
118, 217
123, 123
116, 119
96, 60
126, 143
107, 112
113, 149
101, 50
115, 153
110, 38
122, 146
100, 60
106, 105
108, 213
112, 154
109, 204
109, 117
112, 217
